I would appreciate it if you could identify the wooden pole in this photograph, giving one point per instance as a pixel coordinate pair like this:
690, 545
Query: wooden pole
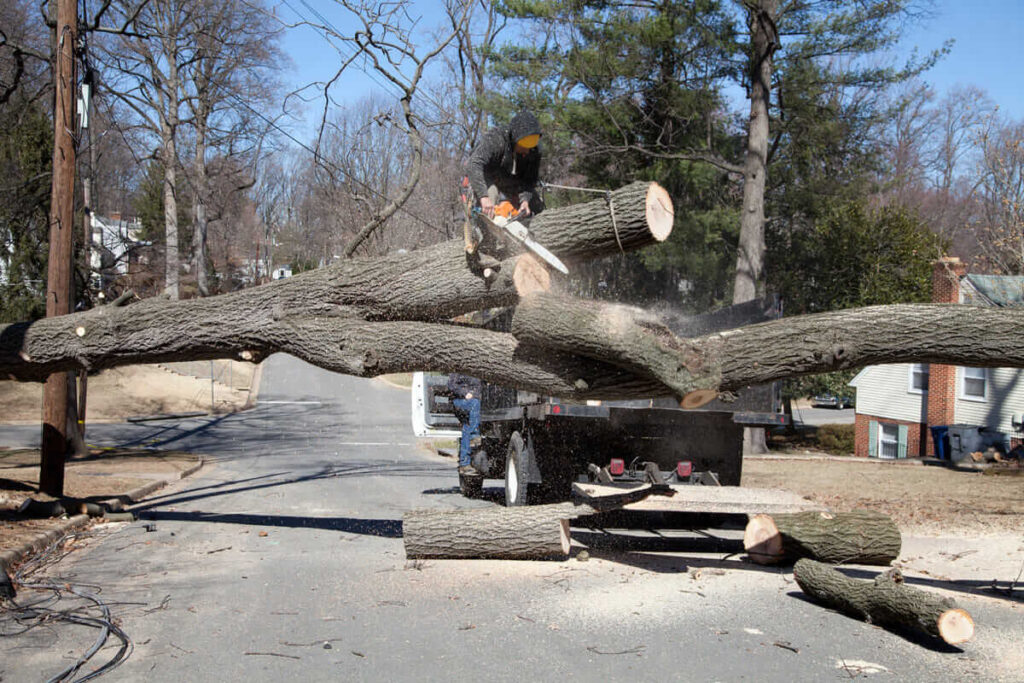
54, 443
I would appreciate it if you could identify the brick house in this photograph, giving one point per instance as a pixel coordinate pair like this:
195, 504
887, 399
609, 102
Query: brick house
897, 403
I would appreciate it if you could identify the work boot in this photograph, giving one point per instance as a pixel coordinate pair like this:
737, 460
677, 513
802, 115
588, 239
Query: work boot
476, 442
468, 471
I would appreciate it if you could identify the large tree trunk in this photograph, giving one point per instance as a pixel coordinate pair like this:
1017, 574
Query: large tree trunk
393, 314
886, 601
750, 252
859, 537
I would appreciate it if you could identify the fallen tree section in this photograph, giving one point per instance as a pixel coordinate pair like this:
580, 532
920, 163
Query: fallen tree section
426, 285
860, 537
886, 601
734, 359
525, 533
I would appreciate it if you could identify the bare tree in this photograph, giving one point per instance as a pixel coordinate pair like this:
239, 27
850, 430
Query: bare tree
1001, 196
144, 71
230, 81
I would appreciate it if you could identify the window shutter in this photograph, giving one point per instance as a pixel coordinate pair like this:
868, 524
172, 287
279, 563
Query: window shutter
873, 439
903, 442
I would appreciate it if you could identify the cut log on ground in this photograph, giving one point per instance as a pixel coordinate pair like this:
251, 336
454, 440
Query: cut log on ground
526, 533
886, 601
859, 537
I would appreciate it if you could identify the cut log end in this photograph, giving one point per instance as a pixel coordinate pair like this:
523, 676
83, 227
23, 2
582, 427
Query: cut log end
660, 213
956, 626
695, 399
762, 540
530, 275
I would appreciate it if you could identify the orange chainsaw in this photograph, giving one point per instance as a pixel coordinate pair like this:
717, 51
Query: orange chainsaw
506, 221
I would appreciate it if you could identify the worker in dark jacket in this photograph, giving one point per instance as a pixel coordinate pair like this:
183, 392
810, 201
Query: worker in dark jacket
506, 165
466, 391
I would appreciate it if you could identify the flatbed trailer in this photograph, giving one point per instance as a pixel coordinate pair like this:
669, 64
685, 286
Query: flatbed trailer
542, 447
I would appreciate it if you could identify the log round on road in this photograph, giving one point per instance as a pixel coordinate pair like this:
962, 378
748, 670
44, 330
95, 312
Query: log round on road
886, 601
860, 536
525, 533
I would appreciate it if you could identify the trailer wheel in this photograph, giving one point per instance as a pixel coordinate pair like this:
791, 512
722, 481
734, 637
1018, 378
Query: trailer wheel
516, 486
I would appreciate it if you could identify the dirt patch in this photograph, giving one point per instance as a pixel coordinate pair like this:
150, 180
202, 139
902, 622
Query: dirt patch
103, 474
921, 499
137, 391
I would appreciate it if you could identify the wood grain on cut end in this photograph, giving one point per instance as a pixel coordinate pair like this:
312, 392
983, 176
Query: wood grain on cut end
530, 275
762, 541
660, 213
956, 626
695, 399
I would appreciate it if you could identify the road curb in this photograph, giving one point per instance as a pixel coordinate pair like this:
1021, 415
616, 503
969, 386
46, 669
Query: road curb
13, 556
40, 541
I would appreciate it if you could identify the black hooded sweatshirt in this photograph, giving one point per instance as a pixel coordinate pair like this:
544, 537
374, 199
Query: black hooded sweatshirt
494, 161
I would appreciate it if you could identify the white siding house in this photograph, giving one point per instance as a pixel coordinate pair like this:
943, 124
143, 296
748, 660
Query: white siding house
899, 404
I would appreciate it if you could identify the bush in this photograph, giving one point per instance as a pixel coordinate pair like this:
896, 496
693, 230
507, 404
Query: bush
837, 439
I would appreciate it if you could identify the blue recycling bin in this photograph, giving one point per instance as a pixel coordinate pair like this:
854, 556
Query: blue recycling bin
940, 437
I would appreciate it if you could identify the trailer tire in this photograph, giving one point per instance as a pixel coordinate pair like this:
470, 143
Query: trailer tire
516, 468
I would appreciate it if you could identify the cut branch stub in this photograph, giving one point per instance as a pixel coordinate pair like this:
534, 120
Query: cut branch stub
628, 337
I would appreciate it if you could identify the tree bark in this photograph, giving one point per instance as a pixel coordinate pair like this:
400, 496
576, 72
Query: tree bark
886, 601
859, 537
525, 533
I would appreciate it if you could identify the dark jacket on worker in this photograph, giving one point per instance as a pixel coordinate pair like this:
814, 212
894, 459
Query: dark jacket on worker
460, 385
495, 162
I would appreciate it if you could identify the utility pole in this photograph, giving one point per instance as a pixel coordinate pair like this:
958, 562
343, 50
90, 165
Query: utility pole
58, 281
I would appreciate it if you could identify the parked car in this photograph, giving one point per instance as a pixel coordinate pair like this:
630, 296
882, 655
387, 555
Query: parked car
832, 401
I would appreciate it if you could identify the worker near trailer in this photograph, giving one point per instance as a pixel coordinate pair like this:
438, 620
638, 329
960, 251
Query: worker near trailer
506, 165
466, 391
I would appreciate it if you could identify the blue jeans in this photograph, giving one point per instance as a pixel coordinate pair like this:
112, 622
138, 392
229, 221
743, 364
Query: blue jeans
468, 412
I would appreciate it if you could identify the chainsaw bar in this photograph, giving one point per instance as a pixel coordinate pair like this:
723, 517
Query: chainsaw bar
518, 232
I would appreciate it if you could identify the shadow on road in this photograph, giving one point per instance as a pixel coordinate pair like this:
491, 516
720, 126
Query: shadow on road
1009, 589
386, 528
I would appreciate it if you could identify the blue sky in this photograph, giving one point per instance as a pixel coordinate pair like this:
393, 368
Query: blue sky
986, 51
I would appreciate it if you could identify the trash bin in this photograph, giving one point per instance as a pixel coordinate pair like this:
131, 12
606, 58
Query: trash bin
964, 440
940, 437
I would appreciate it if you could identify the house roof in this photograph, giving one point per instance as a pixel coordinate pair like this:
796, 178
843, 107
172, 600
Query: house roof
994, 290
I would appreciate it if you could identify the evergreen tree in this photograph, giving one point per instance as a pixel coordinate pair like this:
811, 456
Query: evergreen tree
26, 144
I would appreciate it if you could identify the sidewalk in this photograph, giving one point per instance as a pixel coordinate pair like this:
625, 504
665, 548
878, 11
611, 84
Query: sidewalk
111, 478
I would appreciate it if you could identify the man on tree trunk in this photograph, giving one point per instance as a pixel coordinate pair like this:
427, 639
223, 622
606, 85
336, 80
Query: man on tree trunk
506, 165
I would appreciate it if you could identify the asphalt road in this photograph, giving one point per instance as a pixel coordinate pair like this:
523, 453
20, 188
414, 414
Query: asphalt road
283, 559
822, 416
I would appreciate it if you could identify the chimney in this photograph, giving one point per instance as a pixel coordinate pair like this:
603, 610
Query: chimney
946, 275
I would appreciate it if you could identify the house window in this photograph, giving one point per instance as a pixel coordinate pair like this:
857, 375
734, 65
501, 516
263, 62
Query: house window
974, 384
888, 441
918, 381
